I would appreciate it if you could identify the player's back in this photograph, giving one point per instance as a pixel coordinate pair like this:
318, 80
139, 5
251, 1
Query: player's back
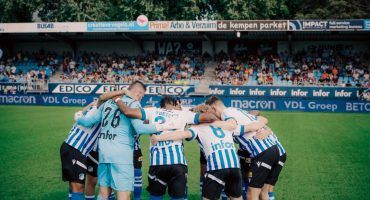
241, 116
253, 146
168, 152
217, 145
84, 138
180, 117
117, 134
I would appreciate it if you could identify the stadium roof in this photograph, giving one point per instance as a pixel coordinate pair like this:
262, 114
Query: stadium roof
193, 30
204, 36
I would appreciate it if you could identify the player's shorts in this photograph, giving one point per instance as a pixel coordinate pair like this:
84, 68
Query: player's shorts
138, 159
202, 159
228, 179
276, 169
245, 163
73, 164
172, 176
119, 177
262, 166
92, 163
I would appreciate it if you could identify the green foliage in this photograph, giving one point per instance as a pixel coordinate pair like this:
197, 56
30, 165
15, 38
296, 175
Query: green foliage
246, 9
332, 9
74, 10
124, 10
17, 10
155, 9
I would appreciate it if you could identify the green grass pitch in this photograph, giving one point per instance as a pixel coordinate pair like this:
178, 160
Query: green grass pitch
328, 154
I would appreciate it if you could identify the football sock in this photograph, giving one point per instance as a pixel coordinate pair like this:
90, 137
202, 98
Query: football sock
153, 197
223, 196
271, 196
245, 189
138, 184
112, 196
201, 183
92, 197
77, 196
69, 194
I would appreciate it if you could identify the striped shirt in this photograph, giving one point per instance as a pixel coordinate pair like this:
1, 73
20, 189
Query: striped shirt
168, 152
253, 146
217, 145
278, 144
84, 139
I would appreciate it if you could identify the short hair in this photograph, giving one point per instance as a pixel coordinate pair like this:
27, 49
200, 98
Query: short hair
167, 100
137, 83
212, 100
201, 108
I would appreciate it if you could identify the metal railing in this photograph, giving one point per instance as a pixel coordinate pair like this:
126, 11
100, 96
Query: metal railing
31, 86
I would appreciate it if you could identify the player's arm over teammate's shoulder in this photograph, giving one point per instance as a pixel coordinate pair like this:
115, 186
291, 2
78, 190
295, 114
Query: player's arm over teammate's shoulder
189, 117
102, 99
207, 118
189, 135
90, 119
256, 129
255, 112
229, 125
204, 114
175, 135
254, 125
142, 128
132, 112
109, 95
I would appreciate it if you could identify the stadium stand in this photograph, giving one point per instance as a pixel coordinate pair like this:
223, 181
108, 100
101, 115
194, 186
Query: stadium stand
149, 68
312, 66
89, 67
35, 68
309, 67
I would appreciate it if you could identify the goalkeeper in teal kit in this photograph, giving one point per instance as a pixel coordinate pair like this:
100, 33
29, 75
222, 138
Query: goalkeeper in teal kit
116, 142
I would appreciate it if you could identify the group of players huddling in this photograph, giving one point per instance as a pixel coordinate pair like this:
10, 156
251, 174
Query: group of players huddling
103, 148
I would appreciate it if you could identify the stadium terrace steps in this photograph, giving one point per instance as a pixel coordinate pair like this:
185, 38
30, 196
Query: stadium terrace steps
56, 76
210, 75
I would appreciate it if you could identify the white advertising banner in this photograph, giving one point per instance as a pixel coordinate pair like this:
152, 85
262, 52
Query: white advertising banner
47, 27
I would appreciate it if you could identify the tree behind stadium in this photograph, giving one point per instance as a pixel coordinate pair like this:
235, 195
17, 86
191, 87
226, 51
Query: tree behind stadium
125, 10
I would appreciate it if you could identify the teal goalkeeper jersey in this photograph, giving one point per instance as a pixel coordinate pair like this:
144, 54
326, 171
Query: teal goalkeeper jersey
116, 139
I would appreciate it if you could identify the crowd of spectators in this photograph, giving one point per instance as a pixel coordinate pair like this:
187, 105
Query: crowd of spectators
35, 67
148, 68
89, 67
311, 66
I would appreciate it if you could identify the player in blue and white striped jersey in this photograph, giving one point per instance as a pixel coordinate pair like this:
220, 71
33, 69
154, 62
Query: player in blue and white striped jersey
222, 160
84, 138
73, 152
222, 164
264, 152
268, 188
168, 167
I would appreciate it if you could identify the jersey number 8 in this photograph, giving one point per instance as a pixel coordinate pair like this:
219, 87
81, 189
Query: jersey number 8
218, 132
